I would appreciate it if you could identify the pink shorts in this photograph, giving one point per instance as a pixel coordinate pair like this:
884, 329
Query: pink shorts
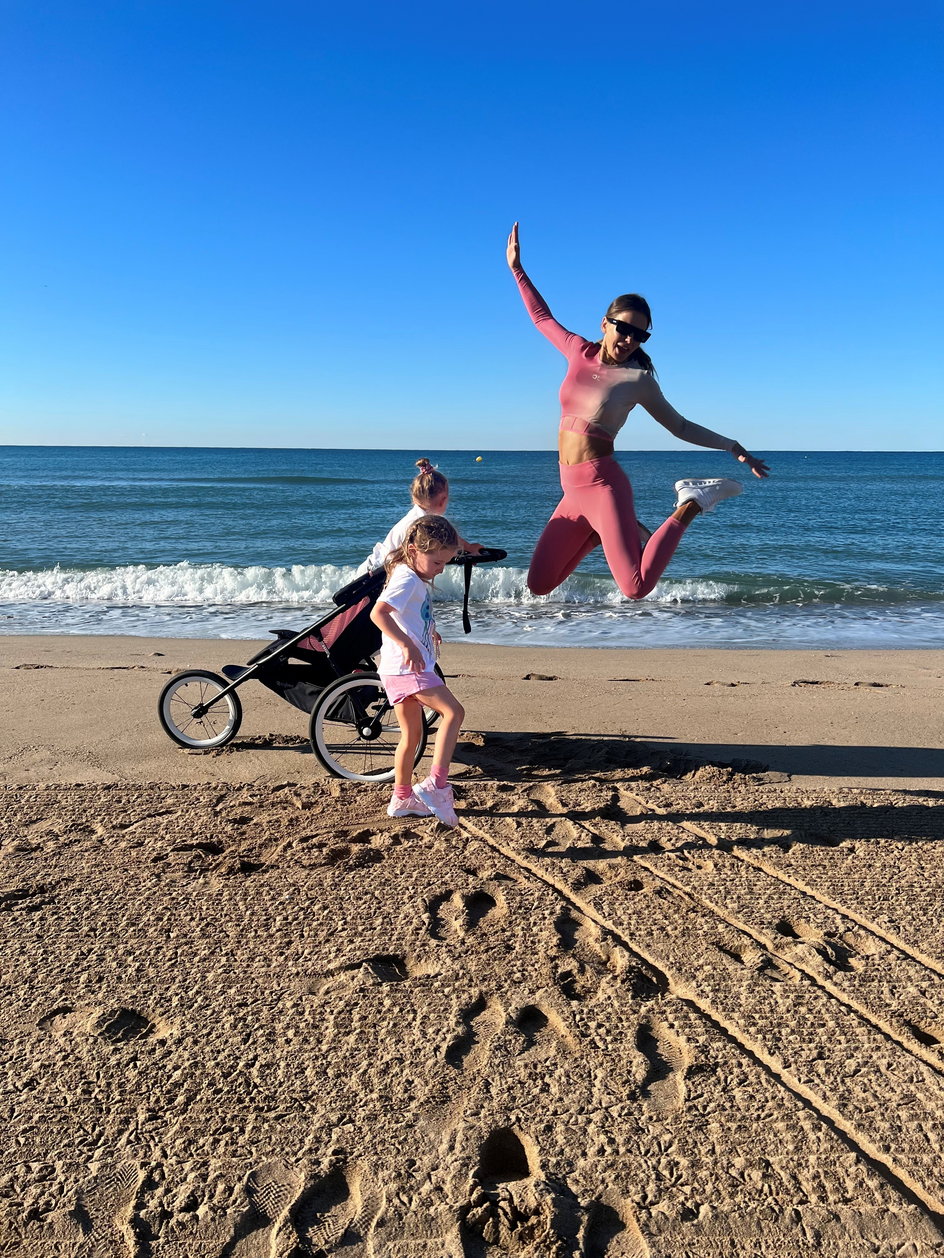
400, 686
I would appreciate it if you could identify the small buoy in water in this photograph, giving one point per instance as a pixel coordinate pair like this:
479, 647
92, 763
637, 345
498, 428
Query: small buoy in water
478, 458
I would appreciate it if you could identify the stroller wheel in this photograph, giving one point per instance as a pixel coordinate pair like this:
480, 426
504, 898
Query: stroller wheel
190, 714
354, 731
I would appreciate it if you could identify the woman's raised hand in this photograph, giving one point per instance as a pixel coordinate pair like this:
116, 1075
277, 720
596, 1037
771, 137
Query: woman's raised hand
513, 252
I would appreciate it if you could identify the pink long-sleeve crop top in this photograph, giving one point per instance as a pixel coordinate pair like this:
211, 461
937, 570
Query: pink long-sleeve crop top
601, 394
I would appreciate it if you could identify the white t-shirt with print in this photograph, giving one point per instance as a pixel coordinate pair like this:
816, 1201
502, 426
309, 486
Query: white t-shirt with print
393, 539
408, 596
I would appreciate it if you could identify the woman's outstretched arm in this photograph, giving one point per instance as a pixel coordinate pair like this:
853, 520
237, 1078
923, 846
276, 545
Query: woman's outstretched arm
666, 414
535, 304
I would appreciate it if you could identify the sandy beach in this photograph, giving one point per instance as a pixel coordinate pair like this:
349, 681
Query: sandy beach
674, 987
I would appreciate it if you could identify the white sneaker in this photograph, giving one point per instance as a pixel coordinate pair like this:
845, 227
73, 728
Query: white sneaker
411, 807
439, 800
706, 493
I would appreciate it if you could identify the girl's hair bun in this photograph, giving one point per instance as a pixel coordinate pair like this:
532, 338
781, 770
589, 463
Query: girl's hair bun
428, 484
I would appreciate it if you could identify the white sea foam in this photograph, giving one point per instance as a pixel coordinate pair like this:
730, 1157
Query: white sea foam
306, 585
216, 601
182, 583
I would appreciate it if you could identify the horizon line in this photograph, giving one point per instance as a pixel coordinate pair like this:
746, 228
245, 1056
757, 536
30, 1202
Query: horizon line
90, 445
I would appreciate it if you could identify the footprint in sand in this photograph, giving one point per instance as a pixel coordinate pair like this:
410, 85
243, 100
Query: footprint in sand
546, 799
28, 899
326, 1209
832, 952
124, 1026
105, 1211
382, 968
587, 964
588, 959
543, 1029
480, 1022
455, 914
287, 1215
667, 1058
513, 1208
272, 1190
388, 968
930, 1034
612, 1231
745, 952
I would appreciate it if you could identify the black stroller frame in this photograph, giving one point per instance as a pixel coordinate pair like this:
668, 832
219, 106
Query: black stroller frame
326, 670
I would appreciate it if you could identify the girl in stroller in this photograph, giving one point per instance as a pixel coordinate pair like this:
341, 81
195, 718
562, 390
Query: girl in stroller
430, 494
407, 667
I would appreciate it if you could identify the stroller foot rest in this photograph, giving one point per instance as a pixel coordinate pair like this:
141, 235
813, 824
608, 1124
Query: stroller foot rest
233, 672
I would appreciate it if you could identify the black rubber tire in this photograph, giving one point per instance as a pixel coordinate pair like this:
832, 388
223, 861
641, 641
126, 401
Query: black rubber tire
185, 692
354, 731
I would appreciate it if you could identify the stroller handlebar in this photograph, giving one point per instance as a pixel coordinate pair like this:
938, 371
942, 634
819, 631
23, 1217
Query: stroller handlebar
488, 554
372, 582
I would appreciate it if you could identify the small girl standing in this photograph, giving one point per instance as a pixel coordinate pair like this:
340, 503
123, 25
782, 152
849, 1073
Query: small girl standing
430, 494
407, 667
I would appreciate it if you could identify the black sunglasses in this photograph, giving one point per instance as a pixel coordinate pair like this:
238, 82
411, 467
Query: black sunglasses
629, 330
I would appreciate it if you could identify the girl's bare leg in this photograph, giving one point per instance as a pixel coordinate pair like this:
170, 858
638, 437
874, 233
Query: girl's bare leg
410, 719
443, 701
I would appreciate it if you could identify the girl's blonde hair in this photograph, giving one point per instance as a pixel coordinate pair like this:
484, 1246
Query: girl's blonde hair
428, 484
429, 532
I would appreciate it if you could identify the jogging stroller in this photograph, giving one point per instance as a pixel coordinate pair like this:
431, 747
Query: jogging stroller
325, 670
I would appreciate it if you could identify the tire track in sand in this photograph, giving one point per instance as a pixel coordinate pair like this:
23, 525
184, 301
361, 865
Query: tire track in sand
829, 1068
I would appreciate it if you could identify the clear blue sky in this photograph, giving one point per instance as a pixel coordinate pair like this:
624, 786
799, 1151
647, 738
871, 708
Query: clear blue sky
283, 224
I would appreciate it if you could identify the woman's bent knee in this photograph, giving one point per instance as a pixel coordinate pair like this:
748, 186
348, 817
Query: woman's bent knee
633, 589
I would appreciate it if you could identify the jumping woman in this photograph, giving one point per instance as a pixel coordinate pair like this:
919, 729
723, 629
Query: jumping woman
604, 381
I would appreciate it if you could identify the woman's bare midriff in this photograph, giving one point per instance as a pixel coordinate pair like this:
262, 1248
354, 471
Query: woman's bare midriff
577, 447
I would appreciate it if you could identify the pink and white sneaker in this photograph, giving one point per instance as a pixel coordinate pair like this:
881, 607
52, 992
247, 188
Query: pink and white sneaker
411, 807
439, 800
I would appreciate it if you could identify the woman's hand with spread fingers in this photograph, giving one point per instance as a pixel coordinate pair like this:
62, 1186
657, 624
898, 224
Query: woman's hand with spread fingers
757, 466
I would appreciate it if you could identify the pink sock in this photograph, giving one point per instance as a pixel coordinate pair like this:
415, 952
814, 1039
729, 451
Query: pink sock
402, 792
440, 777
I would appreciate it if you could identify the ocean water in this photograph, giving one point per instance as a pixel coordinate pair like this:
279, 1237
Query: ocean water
835, 550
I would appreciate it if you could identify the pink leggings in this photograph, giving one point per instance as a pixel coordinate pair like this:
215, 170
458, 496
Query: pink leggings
597, 508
